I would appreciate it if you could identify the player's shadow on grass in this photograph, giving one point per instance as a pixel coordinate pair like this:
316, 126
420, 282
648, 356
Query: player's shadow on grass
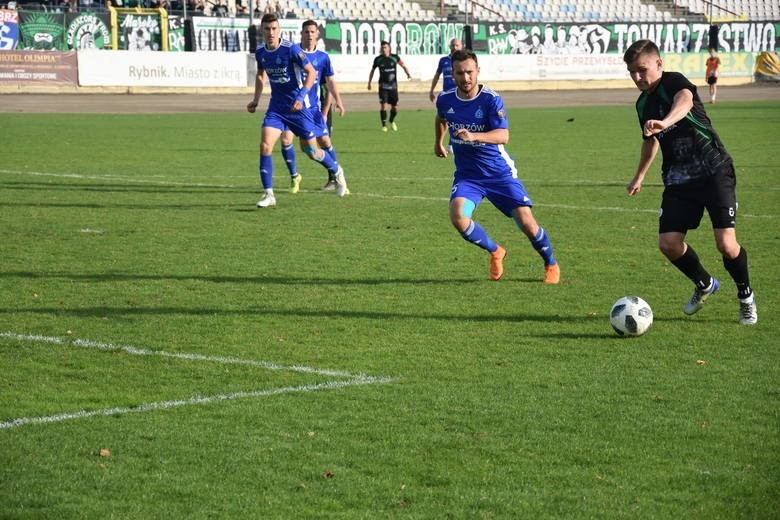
118, 313
269, 280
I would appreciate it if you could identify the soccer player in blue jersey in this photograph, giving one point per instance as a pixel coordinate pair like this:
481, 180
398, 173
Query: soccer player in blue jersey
320, 60
445, 70
284, 63
697, 172
475, 119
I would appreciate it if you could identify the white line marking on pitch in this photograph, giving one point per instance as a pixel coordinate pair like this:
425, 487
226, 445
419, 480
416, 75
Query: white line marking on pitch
352, 380
374, 195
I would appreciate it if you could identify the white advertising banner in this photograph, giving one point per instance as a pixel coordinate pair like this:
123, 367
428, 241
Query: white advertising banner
516, 67
163, 69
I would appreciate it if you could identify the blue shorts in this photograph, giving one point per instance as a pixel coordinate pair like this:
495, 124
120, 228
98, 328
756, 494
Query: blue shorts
505, 193
306, 124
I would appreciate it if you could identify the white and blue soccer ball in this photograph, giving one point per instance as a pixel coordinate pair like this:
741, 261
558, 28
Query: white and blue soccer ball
631, 316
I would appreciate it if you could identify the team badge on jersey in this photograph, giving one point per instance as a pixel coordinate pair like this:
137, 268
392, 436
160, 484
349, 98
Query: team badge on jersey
501, 114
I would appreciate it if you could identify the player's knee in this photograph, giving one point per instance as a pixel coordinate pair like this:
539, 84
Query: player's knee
460, 223
728, 248
310, 150
671, 249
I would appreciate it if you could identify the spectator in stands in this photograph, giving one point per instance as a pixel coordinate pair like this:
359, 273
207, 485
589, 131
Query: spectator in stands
199, 6
220, 8
712, 73
241, 9
445, 69
697, 173
387, 64
273, 8
474, 117
282, 61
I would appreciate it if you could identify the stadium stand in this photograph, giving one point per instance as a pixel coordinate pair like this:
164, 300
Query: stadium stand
523, 11
536, 11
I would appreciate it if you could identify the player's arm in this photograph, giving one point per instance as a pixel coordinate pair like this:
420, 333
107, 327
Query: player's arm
439, 130
682, 104
327, 103
259, 80
433, 85
311, 80
495, 136
403, 66
371, 76
646, 155
333, 96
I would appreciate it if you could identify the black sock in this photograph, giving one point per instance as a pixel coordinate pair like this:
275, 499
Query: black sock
738, 269
383, 117
690, 266
393, 112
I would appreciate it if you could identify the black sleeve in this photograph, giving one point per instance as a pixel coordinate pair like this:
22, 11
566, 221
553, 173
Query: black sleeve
675, 82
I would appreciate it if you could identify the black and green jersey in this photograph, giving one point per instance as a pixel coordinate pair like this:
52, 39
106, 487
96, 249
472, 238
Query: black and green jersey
387, 66
691, 149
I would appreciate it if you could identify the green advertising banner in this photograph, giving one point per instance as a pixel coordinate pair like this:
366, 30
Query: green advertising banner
420, 38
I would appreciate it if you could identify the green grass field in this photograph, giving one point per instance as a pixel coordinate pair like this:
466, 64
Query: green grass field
169, 350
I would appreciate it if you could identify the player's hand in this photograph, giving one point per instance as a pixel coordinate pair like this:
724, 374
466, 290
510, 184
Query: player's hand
369, 86
297, 106
440, 150
653, 126
634, 187
251, 106
432, 96
465, 135
341, 109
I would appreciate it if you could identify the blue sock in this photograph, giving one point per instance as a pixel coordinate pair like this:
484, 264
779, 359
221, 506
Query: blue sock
332, 152
267, 171
288, 153
541, 243
327, 161
477, 235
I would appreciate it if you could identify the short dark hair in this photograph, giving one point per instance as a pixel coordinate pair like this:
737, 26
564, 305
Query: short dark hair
269, 17
639, 48
383, 42
463, 55
308, 23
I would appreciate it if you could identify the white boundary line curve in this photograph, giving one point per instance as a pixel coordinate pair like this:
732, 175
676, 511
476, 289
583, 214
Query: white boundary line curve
351, 380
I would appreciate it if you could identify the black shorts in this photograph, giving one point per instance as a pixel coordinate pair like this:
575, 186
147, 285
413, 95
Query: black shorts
388, 96
711, 80
683, 205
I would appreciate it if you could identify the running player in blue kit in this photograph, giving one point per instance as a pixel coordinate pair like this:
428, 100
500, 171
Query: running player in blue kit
284, 63
445, 70
320, 60
476, 120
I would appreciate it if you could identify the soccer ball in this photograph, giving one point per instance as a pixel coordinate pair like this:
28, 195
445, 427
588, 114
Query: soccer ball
631, 316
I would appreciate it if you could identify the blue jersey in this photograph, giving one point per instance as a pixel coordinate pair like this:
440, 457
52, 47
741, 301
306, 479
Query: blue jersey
445, 69
284, 68
483, 113
321, 63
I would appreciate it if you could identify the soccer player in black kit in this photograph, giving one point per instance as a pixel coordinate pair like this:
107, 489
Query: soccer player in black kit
388, 84
697, 173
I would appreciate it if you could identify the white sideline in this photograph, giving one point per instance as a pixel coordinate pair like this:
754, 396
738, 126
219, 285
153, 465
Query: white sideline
352, 380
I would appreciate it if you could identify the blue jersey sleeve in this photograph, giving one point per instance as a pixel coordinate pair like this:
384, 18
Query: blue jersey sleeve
497, 117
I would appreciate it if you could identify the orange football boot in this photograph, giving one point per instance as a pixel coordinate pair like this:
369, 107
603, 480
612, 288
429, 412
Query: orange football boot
497, 263
552, 274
